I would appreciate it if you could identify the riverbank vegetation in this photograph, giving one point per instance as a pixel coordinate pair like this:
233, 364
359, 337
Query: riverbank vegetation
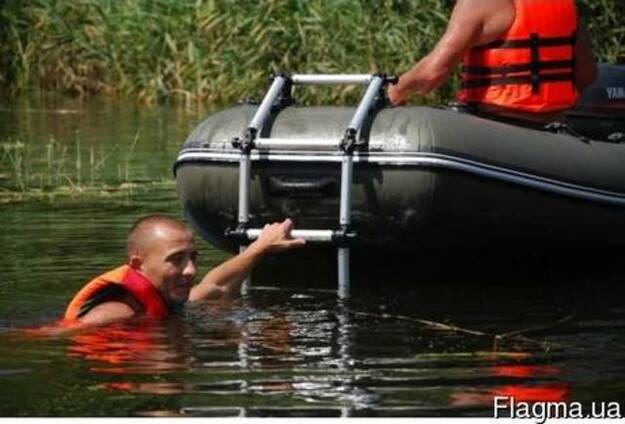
221, 51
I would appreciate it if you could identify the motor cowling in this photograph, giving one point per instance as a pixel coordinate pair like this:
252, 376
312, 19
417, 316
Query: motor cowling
600, 112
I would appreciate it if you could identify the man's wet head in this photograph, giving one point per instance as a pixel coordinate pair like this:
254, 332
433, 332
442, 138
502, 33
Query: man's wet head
162, 248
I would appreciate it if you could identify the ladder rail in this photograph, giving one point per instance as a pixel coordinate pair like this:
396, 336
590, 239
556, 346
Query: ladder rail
280, 85
265, 106
245, 177
375, 85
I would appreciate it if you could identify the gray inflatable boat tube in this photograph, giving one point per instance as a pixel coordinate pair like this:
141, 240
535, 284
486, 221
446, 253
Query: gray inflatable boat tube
429, 178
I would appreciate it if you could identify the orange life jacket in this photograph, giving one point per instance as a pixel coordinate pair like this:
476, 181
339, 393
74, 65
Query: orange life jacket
532, 68
132, 281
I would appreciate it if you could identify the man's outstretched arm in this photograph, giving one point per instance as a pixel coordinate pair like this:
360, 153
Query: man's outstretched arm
467, 27
226, 279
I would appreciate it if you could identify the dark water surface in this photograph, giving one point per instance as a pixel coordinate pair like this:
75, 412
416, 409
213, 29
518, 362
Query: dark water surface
415, 339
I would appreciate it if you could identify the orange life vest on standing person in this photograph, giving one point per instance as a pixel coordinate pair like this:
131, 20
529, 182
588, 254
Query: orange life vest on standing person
126, 279
532, 68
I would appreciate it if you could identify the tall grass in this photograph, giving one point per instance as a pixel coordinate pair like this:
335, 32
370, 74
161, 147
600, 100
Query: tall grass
220, 51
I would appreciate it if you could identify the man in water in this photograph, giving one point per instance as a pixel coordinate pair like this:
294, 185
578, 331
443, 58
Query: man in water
158, 276
525, 56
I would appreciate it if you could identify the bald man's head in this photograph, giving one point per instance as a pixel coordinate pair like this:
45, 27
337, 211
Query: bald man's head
147, 229
162, 249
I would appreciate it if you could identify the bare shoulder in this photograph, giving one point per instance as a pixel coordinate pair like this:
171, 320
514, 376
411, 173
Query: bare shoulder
481, 7
493, 16
108, 312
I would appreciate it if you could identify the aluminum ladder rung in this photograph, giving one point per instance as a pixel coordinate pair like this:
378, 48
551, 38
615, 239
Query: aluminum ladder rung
295, 143
308, 235
331, 79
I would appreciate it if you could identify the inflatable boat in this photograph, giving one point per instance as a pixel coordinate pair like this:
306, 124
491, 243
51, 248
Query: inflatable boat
409, 177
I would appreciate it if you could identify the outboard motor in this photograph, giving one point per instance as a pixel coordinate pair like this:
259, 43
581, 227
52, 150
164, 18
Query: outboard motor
600, 113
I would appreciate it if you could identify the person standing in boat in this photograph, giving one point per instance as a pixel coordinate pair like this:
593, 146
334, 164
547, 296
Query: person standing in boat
158, 276
527, 57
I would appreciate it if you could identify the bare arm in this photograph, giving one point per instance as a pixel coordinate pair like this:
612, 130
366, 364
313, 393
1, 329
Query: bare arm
108, 312
463, 31
585, 64
472, 22
227, 277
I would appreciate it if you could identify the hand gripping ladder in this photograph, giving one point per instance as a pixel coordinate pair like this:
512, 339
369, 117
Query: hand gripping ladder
279, 90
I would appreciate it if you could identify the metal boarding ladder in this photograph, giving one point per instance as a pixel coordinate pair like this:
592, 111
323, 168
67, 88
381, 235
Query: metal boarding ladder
279, 91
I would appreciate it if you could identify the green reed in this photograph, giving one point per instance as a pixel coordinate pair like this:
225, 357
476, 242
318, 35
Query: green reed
13, 156
26, 172
220, 51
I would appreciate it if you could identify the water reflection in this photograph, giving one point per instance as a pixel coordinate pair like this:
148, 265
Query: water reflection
303, 353
528, 383
314, 357
143, 347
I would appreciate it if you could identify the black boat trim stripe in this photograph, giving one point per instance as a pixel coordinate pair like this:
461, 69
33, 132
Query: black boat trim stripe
423, 159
